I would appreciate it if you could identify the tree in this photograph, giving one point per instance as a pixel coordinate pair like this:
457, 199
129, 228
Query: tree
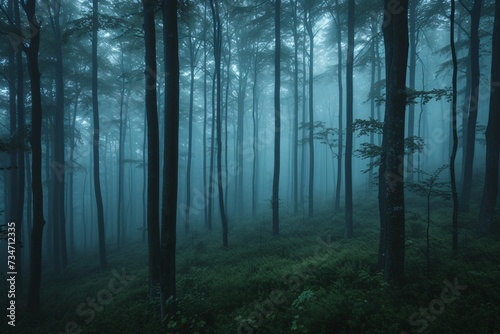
391, 187
475, 15
349, 113
454, 131
413, 36
277, 117
170, 159
337, 20
29, 7
58, 166
217, 76
153, 147
490, 192
295, 130
95, 141
308, 21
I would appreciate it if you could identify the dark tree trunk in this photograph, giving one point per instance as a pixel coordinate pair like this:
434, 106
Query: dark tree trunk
475, 15
254, 139
192, 56
341, 111
153, 147
277, 117
217, 55
205, 116
392, 160
58, 165
170, 162
72, 147
295, 130
412, 67
95, 118
309, 27
454, 132
36, 156
349, 120
490, 192
21, 124
121, 153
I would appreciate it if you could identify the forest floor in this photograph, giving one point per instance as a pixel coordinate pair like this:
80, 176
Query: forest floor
307, 280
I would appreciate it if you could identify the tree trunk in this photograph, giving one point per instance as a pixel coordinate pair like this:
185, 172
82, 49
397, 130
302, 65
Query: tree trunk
349, 120
121, 151
341, 111
454, 132
190, 128
36, 156
475, 14
217, 54
295, 129
277, 117
58, 165
411, 84
309, 27
170, 162
153, 148
486, 215
392, 160
95, 117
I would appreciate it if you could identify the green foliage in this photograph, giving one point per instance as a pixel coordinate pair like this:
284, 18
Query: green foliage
422, 96
323, 281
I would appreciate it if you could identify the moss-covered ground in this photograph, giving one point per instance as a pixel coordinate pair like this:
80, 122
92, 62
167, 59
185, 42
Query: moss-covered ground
307, 280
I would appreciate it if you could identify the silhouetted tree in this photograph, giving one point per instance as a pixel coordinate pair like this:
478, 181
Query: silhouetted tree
486, 215
391, 190
170, 159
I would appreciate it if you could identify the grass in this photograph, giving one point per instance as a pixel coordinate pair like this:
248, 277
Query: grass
308, 280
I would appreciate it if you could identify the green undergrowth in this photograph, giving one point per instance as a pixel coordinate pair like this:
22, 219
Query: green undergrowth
307, 280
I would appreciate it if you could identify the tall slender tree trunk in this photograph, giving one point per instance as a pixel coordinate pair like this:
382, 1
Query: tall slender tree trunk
309, 27
341, 111
21, 124
454, 132
170, 159
217, 55
412, 19
192, 56
153, 147
295, 129
205, 116
58, 165
277, 117
486, 215
349, 120
95, 119
254, 139
121, 151
475, 15
392, 160
36, 156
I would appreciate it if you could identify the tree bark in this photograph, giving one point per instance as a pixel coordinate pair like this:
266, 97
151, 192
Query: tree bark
95, 118
153, 209
36, 156
170, 162
349, 120
454, 132
396, 53
475, 15
309, 27
277, 117
486, 215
